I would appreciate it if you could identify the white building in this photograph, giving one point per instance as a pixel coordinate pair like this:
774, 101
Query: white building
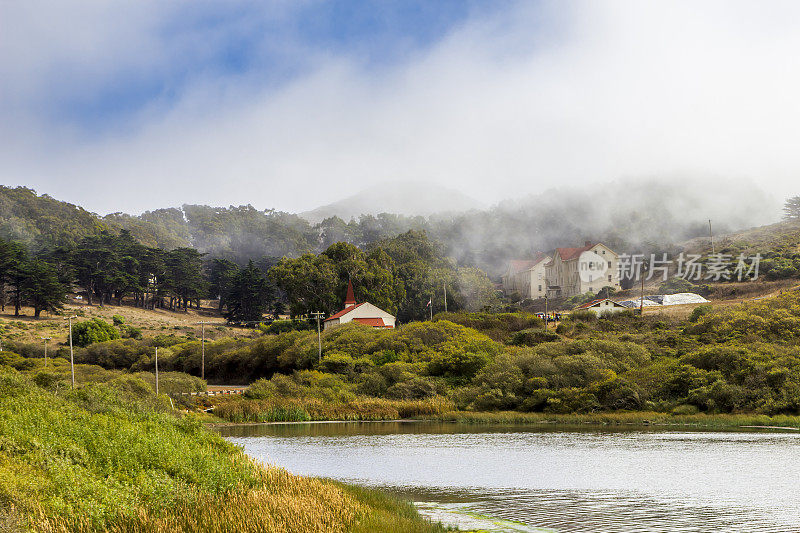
601, 306
364, 313
574, 271
526, 277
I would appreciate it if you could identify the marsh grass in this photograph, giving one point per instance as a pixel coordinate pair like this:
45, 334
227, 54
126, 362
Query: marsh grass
308, 409
631, 418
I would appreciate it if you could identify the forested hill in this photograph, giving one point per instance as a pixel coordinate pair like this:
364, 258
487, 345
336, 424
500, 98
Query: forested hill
235, 233
631, 216
41, 221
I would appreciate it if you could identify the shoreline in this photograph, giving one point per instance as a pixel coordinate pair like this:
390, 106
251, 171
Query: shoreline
643, 419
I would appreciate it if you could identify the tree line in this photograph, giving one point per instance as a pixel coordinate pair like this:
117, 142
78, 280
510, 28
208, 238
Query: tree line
400, 275
110, 269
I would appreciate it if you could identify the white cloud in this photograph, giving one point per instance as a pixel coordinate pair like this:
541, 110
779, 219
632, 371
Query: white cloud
561, 93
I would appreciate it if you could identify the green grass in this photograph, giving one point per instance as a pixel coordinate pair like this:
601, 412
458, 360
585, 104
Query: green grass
634, 418
114, 457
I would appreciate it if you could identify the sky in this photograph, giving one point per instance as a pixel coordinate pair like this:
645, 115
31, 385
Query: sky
136, 105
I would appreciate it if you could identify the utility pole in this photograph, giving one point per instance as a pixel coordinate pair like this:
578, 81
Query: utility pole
545, 308
45, 339
71, 355
156, 370
203, 349
444, 286
641, 303
711, 235
318, 315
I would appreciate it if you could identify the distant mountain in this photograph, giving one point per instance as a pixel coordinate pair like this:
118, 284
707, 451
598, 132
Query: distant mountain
410, 199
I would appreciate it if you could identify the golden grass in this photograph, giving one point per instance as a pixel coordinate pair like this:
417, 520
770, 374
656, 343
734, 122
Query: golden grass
306, 409
282, 503
152, 322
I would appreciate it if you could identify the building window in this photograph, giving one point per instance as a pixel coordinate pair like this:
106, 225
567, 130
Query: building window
609, 277
540, 288
609, 264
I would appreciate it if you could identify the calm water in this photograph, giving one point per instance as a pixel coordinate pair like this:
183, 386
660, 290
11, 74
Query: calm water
567, 480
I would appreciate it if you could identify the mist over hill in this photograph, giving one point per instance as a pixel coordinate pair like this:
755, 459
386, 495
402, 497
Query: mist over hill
406, 198
628, 215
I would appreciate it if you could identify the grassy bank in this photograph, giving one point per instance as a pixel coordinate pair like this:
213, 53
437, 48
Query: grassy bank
638, 418
312, 409
114, 457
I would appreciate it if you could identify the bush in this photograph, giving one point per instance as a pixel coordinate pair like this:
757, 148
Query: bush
582, 315
685, 409
456, 363
283, 326
417, 388
118, 320
498, 326
532, 337
92, 331
700, 311
337, 363
130, 332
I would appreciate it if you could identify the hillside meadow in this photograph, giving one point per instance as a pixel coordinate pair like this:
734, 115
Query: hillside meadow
740, 359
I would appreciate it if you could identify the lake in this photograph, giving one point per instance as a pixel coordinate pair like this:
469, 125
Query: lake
558, 479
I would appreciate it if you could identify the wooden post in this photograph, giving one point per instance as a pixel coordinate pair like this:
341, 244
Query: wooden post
156, 370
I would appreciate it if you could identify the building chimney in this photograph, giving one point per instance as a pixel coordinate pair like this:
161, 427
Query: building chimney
587, 243
350, 299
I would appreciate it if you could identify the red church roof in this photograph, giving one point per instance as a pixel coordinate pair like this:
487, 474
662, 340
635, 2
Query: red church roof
374, 322
350, 299
344, 311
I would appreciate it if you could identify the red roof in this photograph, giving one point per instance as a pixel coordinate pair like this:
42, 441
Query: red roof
572, 253
594, 302
374, 322
344, 311
521, 265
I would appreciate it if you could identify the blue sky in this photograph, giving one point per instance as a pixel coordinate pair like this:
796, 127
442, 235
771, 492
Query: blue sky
129, 106
264, 45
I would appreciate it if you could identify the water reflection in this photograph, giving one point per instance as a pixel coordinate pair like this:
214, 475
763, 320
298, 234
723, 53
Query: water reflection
587, 480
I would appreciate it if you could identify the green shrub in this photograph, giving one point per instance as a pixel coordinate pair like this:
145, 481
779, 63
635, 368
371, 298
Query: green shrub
582, 315
685, 409
532, 337
337, 363
498, 326
283, 326
118, 320
91, 331
700, 311
416, 388
130, 332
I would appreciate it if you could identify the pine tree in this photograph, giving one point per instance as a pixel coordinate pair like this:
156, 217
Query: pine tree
791, 209
221, 274
42, 289
249, 296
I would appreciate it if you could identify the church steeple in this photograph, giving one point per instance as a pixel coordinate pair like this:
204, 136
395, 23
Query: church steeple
350, 299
